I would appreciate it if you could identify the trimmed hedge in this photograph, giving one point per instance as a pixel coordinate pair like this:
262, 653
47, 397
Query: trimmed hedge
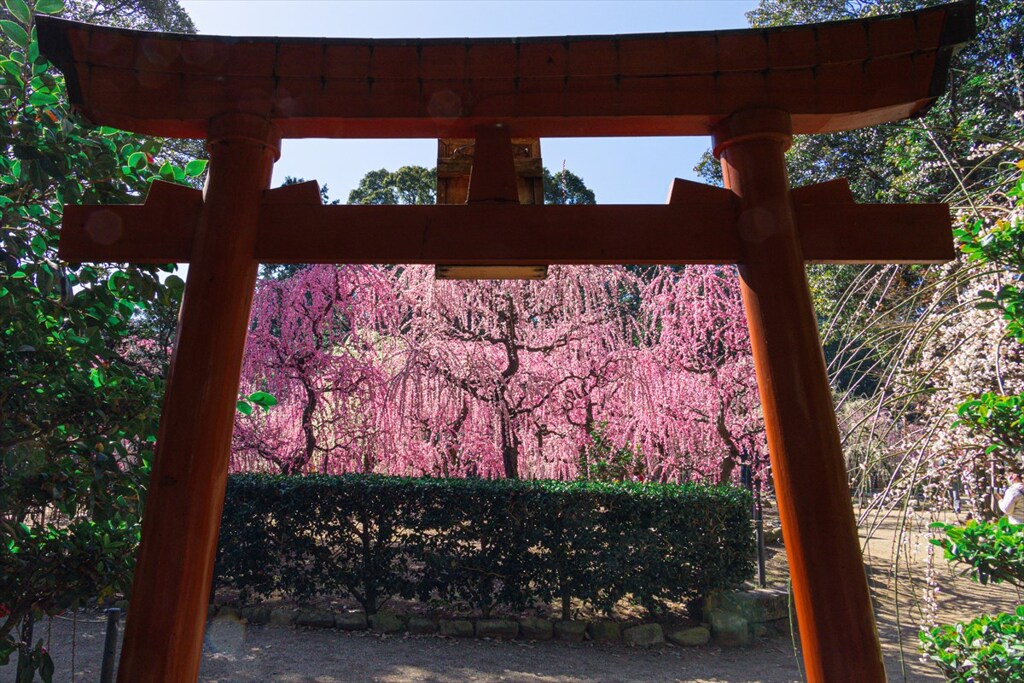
488, 543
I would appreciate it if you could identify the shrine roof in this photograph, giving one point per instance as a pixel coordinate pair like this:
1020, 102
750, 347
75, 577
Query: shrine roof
829, 76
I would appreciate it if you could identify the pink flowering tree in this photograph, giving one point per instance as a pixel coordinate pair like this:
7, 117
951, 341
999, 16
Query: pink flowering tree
693, 404
490, 363
315, 344
390, 370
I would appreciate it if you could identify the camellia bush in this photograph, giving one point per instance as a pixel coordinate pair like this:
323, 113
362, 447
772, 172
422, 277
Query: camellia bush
79, 401
482, 543
988, 648
993, 552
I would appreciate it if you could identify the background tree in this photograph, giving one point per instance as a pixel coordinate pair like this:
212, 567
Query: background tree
418, 185
565, 187
407, 185
146, 15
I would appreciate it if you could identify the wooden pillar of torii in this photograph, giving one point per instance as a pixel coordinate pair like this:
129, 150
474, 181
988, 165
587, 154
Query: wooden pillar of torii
752, 90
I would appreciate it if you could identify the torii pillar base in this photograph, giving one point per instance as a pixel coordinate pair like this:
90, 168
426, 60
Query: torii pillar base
833, 605
164, 632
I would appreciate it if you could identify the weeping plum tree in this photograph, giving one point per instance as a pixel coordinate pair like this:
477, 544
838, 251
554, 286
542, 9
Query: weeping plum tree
508, 351
313, 346
389, 370
695, 393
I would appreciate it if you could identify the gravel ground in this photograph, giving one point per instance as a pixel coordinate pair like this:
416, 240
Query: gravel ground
236, 653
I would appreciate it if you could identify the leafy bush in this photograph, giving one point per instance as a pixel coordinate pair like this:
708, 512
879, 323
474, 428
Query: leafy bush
485, 543
602, 460
993, 551
988, 649
81, 370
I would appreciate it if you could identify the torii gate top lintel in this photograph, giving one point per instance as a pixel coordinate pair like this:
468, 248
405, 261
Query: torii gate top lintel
829, 77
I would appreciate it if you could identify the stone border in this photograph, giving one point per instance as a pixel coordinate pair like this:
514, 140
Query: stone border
730, 619
737, 617
526, 628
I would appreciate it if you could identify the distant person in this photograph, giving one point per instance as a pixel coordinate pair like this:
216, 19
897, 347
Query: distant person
1012, 503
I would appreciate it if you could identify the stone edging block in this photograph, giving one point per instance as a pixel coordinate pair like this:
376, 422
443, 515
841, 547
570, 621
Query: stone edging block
725, 626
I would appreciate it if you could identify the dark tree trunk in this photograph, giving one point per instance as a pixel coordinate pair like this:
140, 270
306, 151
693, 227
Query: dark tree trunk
509, 438
307, 421
729, 462
509, 444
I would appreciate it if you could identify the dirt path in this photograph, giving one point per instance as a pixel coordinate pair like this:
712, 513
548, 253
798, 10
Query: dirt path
239, 654
236, 654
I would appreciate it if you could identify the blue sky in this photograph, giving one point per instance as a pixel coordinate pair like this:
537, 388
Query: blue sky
620, 171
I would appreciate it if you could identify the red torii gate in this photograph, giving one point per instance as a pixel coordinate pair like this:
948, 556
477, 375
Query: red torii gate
751, 89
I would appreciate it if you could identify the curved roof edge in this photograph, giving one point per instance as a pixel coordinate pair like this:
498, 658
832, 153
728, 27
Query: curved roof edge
829, 76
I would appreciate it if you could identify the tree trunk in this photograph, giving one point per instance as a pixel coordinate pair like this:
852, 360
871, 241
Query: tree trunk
509, 438
509, 441
729, 462
26, 671
307, 421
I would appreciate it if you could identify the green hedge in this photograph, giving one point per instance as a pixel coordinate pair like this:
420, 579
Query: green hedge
485, 543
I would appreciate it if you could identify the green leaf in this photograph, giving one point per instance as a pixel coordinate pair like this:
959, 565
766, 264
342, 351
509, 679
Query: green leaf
50, 6
969, 405
262, 399
244, 408
137, 160
20, 11
15, 32
114, 277
42, 99
38, 245
195, 167
46, 668
11, 67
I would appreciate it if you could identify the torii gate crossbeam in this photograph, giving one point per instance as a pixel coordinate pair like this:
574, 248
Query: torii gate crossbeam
752, 90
